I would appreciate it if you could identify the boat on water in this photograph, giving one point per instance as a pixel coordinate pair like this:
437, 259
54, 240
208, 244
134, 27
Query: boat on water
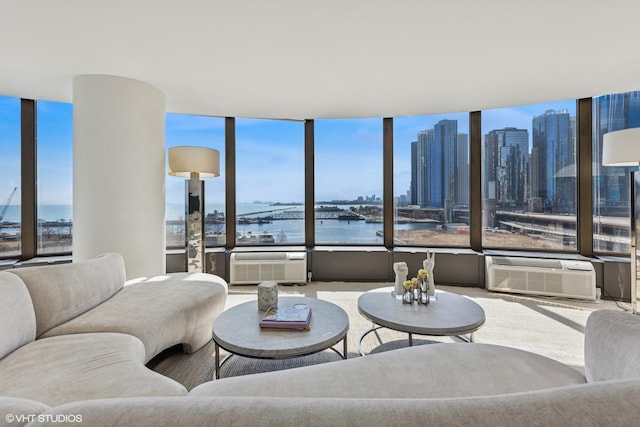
349, 217
250, 238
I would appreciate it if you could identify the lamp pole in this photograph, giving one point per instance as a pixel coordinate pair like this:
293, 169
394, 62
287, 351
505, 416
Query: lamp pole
195, 232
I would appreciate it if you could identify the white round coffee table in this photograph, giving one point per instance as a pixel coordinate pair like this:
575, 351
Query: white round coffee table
237, 331
449, 315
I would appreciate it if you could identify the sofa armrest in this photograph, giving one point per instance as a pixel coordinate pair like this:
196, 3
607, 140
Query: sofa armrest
612, 346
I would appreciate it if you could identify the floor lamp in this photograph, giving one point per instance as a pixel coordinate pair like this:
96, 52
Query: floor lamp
622, 148
194, 163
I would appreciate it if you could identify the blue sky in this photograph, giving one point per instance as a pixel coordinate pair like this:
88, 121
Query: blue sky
269, 157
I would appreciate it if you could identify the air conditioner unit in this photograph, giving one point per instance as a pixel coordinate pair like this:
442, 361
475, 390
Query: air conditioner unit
256, 267
540, 276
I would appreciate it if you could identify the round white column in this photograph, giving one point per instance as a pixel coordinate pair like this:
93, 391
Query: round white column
119, 172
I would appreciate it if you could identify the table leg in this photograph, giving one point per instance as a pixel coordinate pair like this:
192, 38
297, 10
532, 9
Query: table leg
217, 361
410, 339
344, 347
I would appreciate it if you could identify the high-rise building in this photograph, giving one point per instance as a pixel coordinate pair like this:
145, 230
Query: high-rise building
423, 154
554, 163
441, 165
507, 162
611, 184
462, 170
413, 189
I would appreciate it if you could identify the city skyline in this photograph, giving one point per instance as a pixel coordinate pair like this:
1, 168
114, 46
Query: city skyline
358, 149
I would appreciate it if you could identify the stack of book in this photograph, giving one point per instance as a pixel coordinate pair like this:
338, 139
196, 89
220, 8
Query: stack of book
296, 317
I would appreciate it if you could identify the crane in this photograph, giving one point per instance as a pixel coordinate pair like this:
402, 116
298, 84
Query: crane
4, 208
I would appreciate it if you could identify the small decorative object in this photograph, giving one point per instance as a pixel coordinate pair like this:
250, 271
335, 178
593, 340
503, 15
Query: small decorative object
424, 298
267, 295
428, 265
423, 277
415, 287
402, 271
407, 297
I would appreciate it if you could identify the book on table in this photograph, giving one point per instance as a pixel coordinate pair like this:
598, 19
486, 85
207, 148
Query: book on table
292, 317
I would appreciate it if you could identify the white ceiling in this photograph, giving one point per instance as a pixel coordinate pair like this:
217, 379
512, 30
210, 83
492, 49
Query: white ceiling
302, 59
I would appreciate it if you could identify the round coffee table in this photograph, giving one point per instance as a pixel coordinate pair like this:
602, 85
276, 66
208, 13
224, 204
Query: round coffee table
237, 331
449, 315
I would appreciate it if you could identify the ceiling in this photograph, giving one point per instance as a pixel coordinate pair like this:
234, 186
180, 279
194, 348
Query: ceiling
300, 59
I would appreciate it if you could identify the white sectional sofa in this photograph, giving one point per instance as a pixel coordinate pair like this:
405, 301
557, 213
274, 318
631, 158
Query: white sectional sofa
74, 331
431, 385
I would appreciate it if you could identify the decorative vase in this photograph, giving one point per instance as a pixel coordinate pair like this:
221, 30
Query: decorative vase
424, 298
407, 298
416, 293
267, 295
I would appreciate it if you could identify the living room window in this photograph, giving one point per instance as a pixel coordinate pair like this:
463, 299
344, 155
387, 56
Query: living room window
200, 131
611, 207
10, 182
269, 182
529, 177
348, 181
54, 121
431, 180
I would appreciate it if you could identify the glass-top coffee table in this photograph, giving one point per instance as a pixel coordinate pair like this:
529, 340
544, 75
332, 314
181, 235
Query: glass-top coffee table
449, 315
237, 331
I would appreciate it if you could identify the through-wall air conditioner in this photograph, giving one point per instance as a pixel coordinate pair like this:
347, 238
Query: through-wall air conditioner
256, 267
541, 276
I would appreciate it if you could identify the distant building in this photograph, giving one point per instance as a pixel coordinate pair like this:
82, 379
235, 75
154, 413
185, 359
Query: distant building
553, 154
413, 186
507, 160
611, 184
440, 167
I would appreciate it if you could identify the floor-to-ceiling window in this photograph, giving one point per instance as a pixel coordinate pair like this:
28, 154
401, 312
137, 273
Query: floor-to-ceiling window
269, 182
10, 221
54, 177
611, 192
348, 181
199, 131
431, 180
529, 177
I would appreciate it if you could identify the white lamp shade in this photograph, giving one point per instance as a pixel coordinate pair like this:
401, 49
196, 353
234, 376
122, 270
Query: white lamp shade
621, 148
184, 161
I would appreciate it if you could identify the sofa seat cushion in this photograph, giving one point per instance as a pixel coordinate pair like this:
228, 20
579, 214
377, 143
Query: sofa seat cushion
18, 412
425, 371
82, 366
161, 311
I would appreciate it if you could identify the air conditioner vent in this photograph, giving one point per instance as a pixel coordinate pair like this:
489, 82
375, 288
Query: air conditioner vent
564, 278
256, 267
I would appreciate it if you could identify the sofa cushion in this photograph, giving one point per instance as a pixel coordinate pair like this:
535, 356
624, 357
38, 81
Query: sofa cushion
425, 371
18, 412
17, 317
161, 311
62, 292
585, 405
83, 366
612, 346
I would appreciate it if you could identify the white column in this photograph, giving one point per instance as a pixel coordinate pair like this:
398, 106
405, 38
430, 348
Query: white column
119, 172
